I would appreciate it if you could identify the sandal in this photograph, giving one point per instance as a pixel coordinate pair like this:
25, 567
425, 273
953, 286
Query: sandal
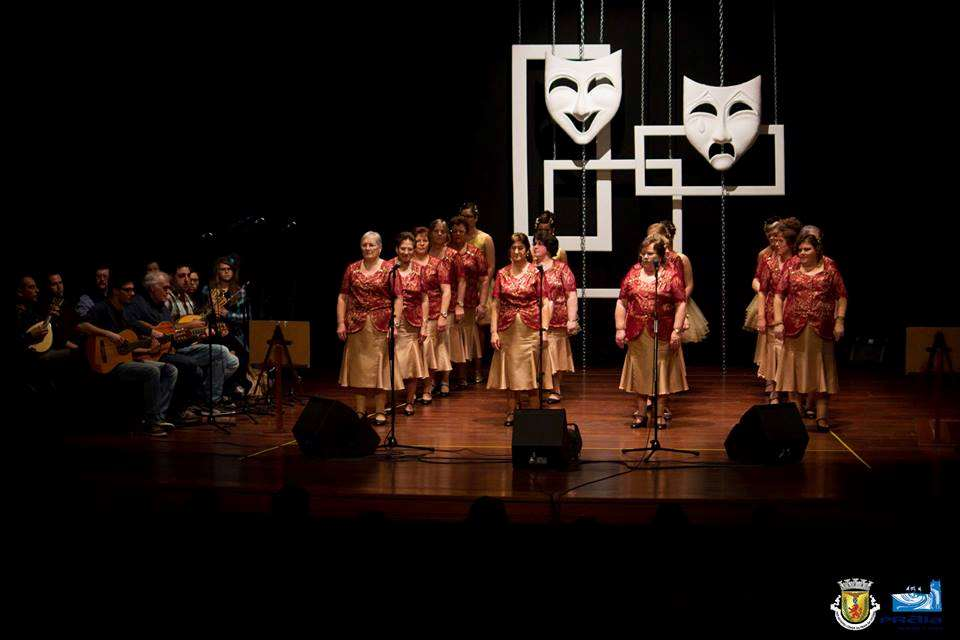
379, 419
661, 423
667, 415
426, 399
554, 398
462, 384
823, 426
509, 421
444, 390
809, 414
408, 409
478, 378
361, 415
639, 420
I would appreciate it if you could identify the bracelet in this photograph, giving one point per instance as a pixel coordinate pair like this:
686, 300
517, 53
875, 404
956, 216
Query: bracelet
459, 303
444, 314
841, 317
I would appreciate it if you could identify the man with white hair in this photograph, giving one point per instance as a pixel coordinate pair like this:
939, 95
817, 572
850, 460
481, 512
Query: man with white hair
214, 361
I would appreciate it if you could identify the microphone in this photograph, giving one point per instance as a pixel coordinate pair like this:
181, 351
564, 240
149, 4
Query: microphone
395, 267
540, 268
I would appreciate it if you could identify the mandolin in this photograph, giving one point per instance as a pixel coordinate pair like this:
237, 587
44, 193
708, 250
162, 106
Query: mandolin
47, 341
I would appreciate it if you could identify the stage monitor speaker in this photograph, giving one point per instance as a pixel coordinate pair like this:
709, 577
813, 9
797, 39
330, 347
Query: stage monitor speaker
330, 429
768, 434
542, 438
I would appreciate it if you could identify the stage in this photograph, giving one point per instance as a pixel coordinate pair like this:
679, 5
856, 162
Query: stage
871, 471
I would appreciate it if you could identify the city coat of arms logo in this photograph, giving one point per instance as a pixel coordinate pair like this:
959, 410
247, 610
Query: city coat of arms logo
855, 608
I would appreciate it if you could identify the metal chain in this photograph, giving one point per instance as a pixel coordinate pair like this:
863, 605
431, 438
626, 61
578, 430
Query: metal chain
519, 21
723, 276
583, 257
670, 74
601, 21
776, 117
553, 50
643, 62
583, 28
722, 37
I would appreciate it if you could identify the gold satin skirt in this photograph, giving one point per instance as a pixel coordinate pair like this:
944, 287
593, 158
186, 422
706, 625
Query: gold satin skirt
808, 364
436, 348
410, 362
366, 362
465, 338
768, 355
637, 375
561, 355
698, 328
514, 366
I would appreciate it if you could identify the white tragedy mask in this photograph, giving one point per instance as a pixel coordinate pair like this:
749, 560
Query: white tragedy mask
721, 122
583, 95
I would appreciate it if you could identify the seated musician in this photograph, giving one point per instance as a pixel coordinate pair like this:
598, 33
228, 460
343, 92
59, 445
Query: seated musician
215, 361
43, 367
229, 303
106, 320
63, 316
97, 293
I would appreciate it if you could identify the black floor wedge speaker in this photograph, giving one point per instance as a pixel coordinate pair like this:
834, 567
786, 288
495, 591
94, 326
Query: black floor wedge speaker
542, 438
330, 429
768, 434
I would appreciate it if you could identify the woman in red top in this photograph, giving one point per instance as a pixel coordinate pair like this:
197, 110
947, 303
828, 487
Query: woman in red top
363, 319
471, 303
634, 323
753, 309
561, 287
769, 272
411, 328
809, 309
435, 276
514, 325
450, 261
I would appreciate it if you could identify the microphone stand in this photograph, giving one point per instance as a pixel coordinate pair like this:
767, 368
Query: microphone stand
540, 334
390, 440
655, 443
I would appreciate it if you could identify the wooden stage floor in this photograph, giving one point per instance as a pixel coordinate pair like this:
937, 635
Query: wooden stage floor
861, 473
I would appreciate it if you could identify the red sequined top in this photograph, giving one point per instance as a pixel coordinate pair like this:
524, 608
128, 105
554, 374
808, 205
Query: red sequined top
810, 299
637, 296
517, 294
367, 295
454, 266
433, 274
675, 262
558, 282
769, 272
410, 286
474, 267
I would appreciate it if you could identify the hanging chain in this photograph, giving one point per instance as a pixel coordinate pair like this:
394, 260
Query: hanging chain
583, 28
519, 21
643, 62
670, 74
723, 222
583, 257
601, 21
776, 117
722, 38
723, 276
553, 50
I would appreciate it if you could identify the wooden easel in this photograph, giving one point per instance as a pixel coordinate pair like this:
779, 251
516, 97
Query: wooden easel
278, 356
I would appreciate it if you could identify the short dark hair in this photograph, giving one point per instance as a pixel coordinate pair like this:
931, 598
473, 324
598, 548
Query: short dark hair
418, 230
547, 217
457, 220
548, 240
659, 246
813, 241
405, 235
472, 206
522, 238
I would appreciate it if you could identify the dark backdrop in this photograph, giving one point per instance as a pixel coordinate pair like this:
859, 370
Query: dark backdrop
148, 130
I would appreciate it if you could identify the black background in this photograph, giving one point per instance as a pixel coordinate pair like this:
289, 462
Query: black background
148, 127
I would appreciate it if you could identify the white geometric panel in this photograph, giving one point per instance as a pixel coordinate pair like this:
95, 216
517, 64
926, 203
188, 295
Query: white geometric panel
605, 165
521, 55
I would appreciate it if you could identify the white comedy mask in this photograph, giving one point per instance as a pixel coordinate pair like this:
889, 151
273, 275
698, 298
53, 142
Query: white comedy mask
721, 122
583, 95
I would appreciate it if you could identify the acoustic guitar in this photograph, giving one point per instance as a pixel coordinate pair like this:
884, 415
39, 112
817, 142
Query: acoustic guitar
104, 356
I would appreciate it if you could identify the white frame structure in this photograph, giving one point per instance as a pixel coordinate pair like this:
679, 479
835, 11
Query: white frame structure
605, 165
